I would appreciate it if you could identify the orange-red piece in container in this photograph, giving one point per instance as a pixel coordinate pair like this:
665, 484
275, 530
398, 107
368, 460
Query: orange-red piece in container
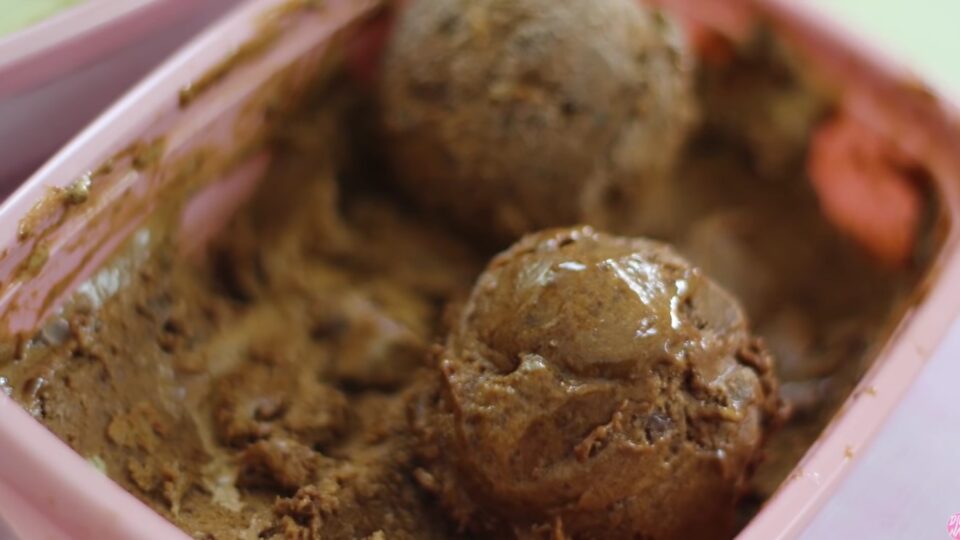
866, 187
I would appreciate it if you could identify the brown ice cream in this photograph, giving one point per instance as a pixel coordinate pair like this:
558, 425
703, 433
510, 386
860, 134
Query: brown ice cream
514, 115
770, 108
599, 386
285, 383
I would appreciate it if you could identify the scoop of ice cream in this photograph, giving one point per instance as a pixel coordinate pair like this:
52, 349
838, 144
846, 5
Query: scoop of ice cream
514, 115
600, 387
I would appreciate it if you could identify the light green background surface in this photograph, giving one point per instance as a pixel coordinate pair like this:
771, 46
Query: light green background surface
923, 35
15, 14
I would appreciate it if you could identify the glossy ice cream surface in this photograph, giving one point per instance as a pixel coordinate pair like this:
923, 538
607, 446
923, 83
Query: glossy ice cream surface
601, 386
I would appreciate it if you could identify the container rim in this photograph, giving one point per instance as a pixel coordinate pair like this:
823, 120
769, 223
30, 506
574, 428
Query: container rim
78, 35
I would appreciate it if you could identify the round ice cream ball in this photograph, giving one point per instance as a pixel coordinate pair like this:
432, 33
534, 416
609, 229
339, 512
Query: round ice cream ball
599, 386
514, 115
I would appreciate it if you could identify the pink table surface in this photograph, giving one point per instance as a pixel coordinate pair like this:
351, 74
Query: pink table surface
907, 483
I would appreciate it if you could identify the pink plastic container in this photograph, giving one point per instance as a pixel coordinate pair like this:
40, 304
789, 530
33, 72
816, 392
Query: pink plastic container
48, 491
58, 74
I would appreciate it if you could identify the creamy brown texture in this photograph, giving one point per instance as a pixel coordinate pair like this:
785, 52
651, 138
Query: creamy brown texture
267, 391
510, 116
261, 394
599, 386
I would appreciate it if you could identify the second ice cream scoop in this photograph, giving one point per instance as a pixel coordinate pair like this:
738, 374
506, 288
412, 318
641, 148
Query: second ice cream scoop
514, 115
